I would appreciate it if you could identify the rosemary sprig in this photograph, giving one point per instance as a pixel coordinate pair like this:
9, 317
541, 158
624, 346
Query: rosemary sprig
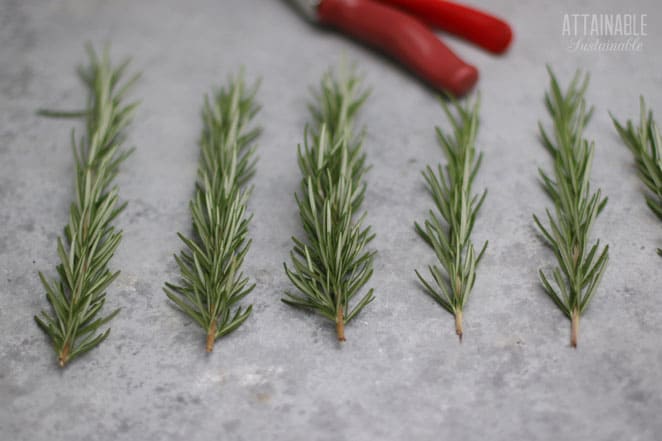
332, 267
645, 143
211, 281
576, 207
448, 230
89, 238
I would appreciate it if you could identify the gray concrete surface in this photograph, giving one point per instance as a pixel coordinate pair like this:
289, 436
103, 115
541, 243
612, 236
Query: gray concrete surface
402, 374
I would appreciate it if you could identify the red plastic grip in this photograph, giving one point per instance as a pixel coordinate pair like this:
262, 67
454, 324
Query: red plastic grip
485, 30
404, 38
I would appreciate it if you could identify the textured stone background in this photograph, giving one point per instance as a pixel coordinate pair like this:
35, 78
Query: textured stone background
401, 374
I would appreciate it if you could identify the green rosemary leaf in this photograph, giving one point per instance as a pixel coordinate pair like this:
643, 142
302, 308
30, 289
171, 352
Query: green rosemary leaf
89, 239
451, 191
211, 284
332, 266
575, 207
237, 320
645, 143
61, 113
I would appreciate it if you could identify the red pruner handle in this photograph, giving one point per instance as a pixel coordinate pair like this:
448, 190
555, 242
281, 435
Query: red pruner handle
404, 38
485, 30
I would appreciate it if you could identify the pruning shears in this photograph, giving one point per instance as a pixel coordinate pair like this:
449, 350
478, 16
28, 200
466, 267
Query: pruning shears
402, 29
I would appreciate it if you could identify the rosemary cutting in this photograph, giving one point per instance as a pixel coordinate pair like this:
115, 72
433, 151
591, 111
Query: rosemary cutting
448, 230
332, 267
576, 208
645, 143
89, 238
211, 280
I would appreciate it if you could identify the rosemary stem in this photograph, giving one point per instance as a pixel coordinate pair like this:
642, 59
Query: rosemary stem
644, 140
575, 328
448, 227
458, 323
340, 325
572, 284
90, 239
331, 264
212, 283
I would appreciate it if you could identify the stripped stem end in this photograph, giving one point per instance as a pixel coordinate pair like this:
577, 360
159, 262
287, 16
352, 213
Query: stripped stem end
340, 325
63, 356
458, 324
575, 328
211, 336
